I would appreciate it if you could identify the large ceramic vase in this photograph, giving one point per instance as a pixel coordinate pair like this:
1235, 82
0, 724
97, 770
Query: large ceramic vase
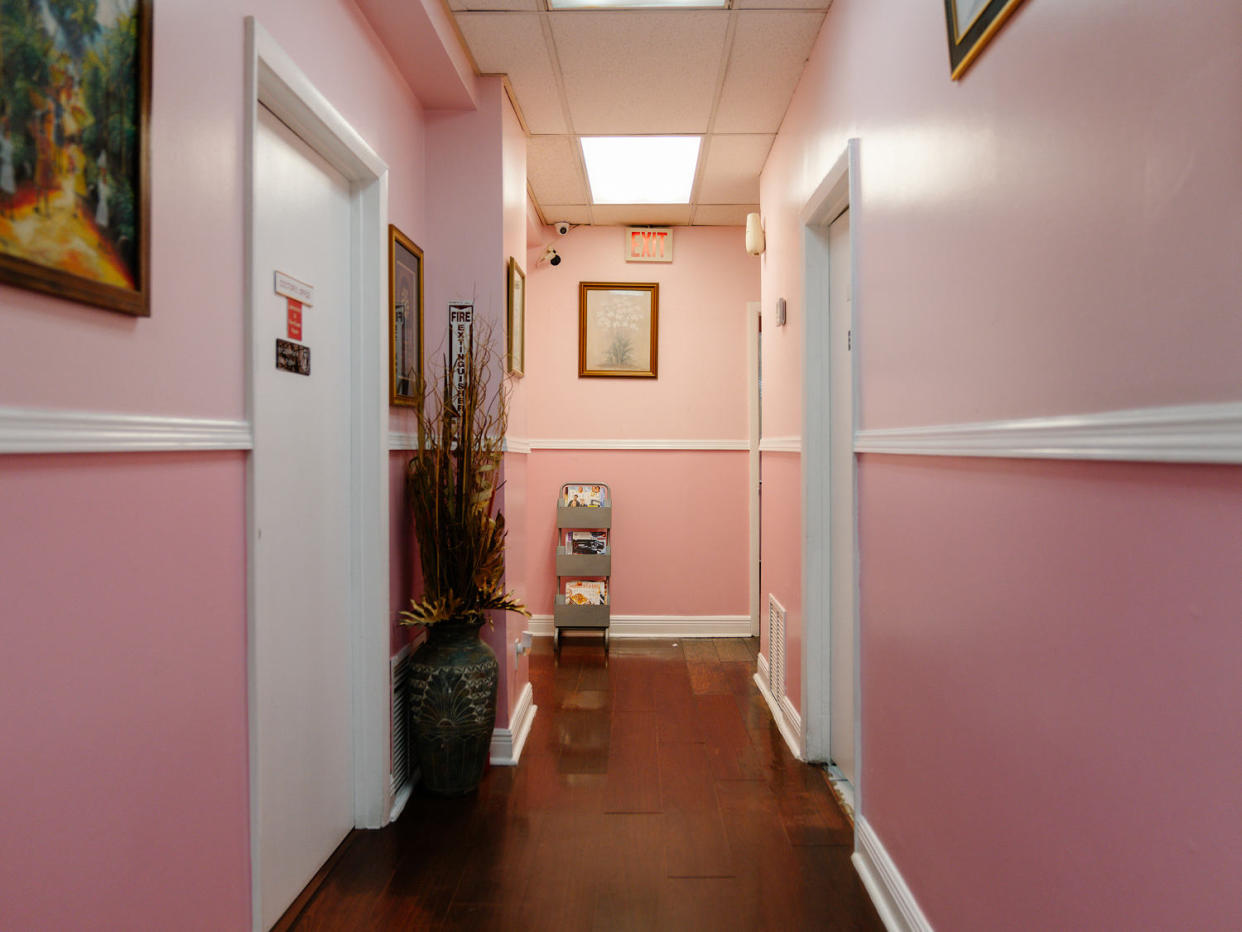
453, 707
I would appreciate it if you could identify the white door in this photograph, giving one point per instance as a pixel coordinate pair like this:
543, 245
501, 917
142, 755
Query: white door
841, 492
301, 461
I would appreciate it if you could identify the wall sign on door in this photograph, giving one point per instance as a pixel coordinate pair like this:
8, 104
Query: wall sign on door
648, 244
461, 325
295, 319
292, 357
290, 287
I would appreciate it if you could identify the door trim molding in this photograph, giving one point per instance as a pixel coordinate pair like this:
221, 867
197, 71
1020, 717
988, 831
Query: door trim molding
1194, 433
837, 192
273, 80
43, 430
754, 310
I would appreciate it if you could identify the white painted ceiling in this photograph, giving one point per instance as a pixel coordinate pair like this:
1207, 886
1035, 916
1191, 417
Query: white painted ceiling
726, 74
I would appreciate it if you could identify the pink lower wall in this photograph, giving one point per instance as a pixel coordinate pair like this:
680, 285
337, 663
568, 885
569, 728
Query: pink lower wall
781, 572
123, 684
679, 528
1050, 690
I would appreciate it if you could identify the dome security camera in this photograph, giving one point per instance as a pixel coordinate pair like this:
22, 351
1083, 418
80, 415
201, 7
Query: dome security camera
561, 227
551, 256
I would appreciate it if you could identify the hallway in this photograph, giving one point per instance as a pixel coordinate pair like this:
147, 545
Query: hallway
654, 793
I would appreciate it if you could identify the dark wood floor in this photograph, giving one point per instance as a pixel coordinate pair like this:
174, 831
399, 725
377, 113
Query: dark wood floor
654, 792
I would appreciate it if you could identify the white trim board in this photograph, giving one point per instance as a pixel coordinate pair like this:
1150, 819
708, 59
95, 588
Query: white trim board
507, 743
38, 430
788, 722
675, 443
888, 891
1198, 433
789, 444
656, 626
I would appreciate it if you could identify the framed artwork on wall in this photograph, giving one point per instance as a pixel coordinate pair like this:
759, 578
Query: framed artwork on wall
971, 25
75, 107
405, 319
517, 318
618, 329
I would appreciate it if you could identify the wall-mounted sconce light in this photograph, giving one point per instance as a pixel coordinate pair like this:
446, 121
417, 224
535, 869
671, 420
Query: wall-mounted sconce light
754, 235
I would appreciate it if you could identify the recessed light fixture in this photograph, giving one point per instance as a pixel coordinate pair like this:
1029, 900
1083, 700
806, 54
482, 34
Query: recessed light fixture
637, 4
641, 169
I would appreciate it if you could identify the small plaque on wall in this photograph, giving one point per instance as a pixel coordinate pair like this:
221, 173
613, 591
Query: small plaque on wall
292, 357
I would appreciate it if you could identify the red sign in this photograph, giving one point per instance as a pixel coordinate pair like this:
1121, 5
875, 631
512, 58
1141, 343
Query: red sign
295, 319
648, 244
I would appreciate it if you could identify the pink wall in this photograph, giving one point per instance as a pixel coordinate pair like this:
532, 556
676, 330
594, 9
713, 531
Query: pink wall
701, 390
1063, 645
1045, 236
668, 502
123, 680
124, 582
679, 528
781, 572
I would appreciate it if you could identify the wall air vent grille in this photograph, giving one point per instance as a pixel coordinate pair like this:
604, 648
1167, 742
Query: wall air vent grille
400, 720
776, 648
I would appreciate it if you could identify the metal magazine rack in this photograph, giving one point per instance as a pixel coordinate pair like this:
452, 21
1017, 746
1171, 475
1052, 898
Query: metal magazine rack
583, 559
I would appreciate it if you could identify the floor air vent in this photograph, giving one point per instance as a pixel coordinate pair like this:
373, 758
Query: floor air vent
776, 648
400, 720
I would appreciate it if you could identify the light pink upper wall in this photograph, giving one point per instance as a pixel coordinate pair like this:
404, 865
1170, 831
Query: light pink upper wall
701, 389
1046, 235
191, 351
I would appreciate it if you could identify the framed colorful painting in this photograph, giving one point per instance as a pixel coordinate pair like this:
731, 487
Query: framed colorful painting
75, 104
405, 315
971, 25
618, 330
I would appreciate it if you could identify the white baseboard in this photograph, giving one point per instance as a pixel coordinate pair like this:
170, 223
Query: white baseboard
888, 891
507, 743
788, 721
38, 430
657, 626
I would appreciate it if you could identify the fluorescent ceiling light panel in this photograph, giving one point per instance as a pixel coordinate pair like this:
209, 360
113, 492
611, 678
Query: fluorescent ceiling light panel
636, 4
641, 169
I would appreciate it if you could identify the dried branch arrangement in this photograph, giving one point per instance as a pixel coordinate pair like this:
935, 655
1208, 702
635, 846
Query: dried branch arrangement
451, 485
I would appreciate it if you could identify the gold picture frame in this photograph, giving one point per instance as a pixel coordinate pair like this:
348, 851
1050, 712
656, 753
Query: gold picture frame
618, 330
516, 318
405, 320
971, 25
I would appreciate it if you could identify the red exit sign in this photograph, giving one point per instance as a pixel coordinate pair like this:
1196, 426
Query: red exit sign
648, 244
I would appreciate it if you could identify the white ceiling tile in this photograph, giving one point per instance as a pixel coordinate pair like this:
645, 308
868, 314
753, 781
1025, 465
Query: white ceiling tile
769, 52
496, 6
723, 215
570, 213
772, 4
640, 72
555, 171
623, 214
731, 171
513, 44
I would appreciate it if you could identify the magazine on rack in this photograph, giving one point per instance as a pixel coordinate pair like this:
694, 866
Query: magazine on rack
586, 591
586, 542
584, 495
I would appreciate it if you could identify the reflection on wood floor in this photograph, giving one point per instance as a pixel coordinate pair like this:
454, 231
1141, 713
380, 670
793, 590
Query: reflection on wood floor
654, 792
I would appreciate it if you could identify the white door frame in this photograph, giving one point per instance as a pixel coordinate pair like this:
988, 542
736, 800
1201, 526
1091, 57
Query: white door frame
837, 191
752, 406
274, 81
